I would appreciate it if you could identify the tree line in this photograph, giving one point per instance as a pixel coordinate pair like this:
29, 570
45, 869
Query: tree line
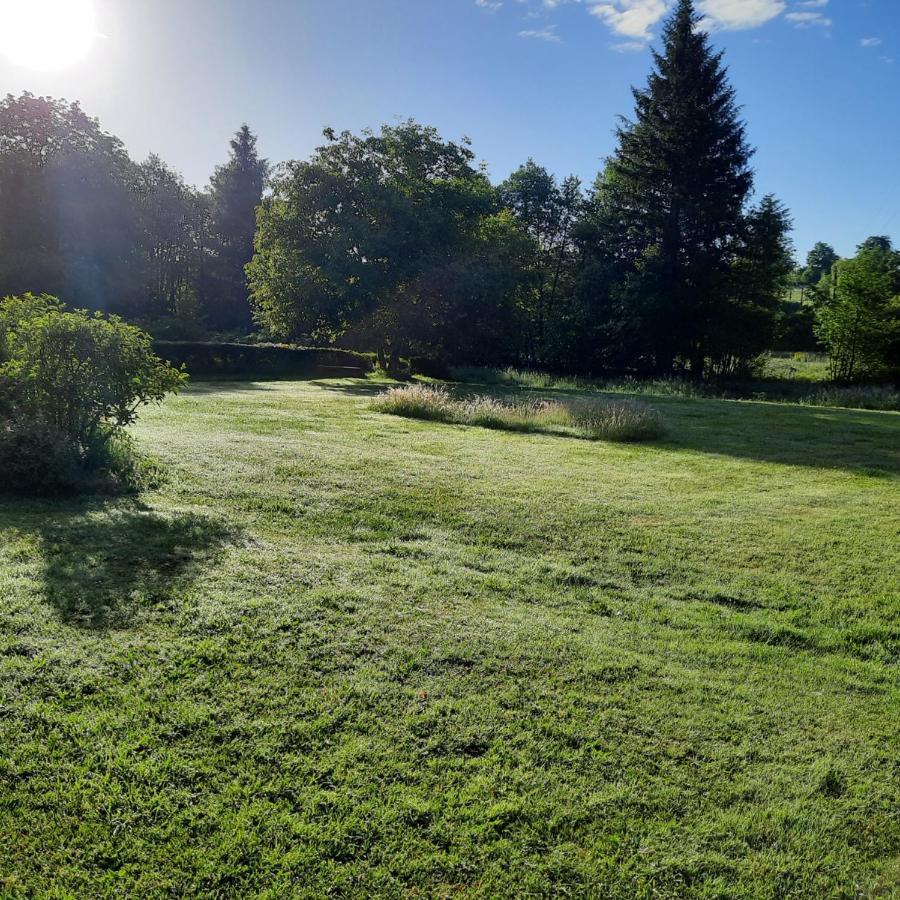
396, 241
81, 220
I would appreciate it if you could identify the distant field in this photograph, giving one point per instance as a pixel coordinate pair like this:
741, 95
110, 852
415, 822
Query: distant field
797, 366
343, 653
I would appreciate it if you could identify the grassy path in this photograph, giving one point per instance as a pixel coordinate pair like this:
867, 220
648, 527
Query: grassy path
346, 653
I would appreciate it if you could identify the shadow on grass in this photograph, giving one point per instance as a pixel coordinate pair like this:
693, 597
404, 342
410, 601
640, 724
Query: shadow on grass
355, 388
867, 443
103, 562
217, 385
861, 441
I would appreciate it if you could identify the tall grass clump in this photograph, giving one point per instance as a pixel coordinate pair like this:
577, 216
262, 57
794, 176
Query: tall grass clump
417, 401
615, 420
594, 418
862, 396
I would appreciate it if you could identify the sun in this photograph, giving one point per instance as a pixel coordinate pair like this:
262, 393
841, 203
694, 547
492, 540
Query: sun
47, 34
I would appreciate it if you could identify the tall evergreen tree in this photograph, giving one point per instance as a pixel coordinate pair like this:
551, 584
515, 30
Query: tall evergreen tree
819, 262
672, 199
236, 189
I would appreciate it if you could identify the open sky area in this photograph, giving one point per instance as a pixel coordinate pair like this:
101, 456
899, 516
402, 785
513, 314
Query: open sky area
818, 81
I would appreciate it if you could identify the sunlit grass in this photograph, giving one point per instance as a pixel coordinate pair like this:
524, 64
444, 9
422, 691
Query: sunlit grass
589, 417
340, 653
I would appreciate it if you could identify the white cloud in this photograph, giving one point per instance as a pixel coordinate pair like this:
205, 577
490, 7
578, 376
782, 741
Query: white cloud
870, 42
736, 15
629, 46
635, 20
630, 18
543, 34
808, 20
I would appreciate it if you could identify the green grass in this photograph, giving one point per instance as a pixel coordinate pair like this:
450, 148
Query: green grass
803, 367
783, 380
342, 653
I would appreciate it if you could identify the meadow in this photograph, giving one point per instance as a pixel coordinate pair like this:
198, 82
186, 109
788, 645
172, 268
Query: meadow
345, 653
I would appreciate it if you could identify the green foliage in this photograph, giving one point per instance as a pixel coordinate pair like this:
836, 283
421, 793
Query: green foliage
388, 239
548, 212
72, 381
69, 220
594, 418
236, 190
80, 219
858, 310
760, 276
668, 215
819, 263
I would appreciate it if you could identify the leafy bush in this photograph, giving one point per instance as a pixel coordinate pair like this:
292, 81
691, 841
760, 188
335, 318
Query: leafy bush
595, 418
261, 360
70, 383
36, 460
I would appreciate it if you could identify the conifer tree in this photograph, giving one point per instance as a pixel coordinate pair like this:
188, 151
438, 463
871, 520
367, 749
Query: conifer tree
672, 199
236, 189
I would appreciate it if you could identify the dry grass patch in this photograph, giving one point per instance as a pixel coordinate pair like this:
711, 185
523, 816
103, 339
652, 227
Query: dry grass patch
589, 417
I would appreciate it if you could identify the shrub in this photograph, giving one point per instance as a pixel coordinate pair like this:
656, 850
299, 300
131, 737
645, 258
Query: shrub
36, 460
262, 360
71, 382
594, 418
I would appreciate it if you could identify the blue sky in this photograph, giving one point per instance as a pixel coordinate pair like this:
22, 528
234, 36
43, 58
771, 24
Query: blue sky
818, 80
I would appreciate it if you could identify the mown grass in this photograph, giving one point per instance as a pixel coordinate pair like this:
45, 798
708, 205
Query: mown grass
588, 417
341, 653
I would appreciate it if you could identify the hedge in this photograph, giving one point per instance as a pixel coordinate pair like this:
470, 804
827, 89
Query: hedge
258, 360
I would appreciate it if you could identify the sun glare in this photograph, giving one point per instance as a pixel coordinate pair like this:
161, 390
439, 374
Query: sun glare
46, 34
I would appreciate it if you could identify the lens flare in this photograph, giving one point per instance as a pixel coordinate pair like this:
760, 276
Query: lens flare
45, 35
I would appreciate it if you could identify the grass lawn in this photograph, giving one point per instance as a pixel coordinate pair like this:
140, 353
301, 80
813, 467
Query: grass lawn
344, 653
807, 367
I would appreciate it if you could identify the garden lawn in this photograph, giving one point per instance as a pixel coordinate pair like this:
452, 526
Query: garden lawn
345, 653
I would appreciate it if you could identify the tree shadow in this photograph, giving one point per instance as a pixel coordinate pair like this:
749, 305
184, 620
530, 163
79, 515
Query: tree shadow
818, 437
105, 562
218, 385
355, 388
861, 441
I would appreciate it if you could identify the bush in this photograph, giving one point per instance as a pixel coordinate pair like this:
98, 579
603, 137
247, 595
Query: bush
70, 383
36, 460
262, 360
593, 418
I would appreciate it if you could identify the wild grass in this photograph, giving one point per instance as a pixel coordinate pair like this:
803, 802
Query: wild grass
804, 367
343, 654
864, 396
589, 417
808, 390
